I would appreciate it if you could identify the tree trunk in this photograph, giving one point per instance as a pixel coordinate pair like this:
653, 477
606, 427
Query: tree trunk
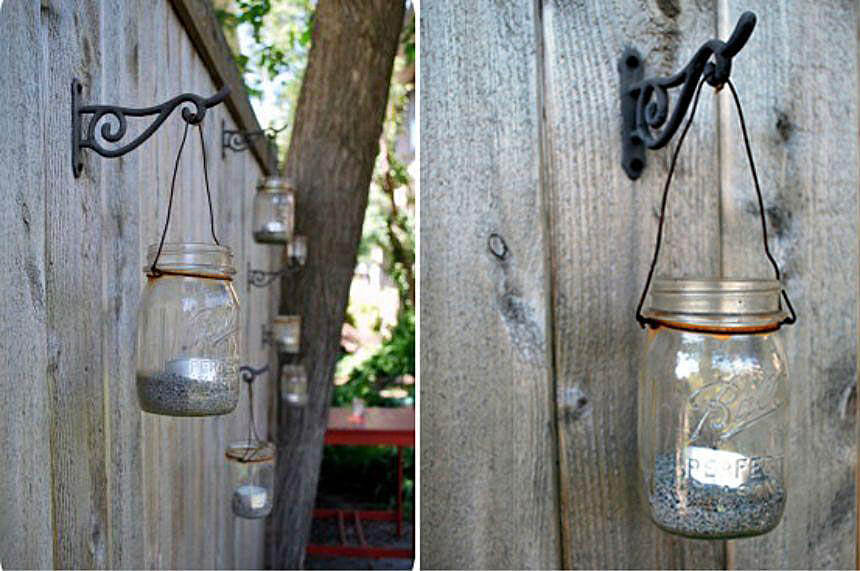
334, 144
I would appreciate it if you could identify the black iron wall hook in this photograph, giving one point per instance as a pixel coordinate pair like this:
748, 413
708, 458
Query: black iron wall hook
263, 278
249, 374
113, 133
238, 141
641, 115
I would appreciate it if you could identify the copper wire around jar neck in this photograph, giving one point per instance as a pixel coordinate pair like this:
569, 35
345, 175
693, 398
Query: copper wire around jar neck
715, 330
160, 273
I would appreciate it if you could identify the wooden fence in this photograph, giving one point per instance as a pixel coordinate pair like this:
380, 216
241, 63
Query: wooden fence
535, 246
89, 481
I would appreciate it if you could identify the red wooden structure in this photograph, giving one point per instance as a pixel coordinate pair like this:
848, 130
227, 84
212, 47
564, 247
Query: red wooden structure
378, 427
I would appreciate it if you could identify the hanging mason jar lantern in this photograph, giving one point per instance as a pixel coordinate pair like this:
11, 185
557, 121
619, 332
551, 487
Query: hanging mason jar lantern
713, 396
274, 211
252, 475
297, 250
188, 333
252, 463
188, 328
294, 385
286, 332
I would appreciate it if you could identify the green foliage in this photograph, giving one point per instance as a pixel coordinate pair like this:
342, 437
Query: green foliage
395, 358
280, 32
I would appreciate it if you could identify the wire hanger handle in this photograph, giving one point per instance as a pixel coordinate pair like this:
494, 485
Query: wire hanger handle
153, 270
642, 320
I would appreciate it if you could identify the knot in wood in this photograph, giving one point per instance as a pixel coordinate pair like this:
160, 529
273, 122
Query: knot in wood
497, 246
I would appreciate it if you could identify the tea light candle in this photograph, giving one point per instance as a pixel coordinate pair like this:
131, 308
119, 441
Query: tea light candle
251, 501
272, 232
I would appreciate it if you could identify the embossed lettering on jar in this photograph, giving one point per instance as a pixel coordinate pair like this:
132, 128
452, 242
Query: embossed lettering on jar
188, 332
713, 399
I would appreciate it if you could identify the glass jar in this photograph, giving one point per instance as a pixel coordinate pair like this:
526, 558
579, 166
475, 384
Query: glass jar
188, 332
252, 476
294, 385
297, 250
274, 211
286, 332
713, 399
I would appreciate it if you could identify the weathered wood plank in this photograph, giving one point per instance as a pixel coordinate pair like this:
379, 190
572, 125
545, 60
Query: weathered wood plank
797, 80
25, 482
204, 30
73, 236
489, 496
603, 230
120, 281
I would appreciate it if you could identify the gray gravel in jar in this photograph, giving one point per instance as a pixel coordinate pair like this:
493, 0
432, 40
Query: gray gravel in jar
268, 237
251, 502
179, 395
710, 511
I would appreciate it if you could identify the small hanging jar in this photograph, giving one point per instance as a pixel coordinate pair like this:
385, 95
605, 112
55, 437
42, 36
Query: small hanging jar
274, 211
713, 394
252, 469
188, 333
713, 398
297, 250
188, 326
286, 332
294, 385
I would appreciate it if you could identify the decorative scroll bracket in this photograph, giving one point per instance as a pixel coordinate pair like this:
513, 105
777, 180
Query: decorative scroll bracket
263, 278
239, 141
249, 374
113, 133
642, 117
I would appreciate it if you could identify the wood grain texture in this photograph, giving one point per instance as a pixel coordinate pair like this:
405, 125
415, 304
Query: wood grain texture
603, 229
73, 244
120, 282
333, 147
488, 449
25, 405
96, 483
802, 120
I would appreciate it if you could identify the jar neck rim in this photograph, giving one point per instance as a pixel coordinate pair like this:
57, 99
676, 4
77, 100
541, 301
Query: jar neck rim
717, 305
191, 259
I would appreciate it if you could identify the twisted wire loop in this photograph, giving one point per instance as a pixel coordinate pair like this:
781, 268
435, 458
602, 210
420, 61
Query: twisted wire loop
154, 271
709, 78
255, 443
114, 131
652, 98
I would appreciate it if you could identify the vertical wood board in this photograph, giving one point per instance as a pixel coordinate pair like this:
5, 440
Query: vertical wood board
488, 453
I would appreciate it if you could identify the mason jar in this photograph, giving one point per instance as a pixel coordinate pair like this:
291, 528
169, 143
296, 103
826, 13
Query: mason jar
297, 250
286, 332
713, 399
188, 332
274, 211
252, 467
294, 385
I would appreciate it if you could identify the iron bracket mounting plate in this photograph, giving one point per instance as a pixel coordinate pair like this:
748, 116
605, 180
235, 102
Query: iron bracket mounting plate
645, 118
